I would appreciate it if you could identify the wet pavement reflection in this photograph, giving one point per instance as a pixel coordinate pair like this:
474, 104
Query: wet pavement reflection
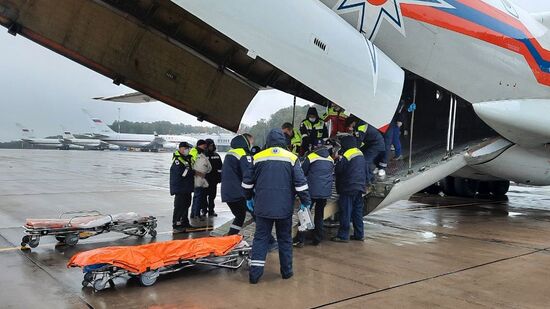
430, 251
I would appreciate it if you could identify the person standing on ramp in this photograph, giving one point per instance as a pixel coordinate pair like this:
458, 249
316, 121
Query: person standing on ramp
277, 177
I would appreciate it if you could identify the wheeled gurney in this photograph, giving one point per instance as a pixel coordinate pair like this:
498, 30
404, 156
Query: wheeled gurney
147, 262
72, 226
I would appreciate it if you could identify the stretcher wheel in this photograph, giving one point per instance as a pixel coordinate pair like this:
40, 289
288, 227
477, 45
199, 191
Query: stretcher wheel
148, 278
99, 284
88, 277
85, 283
33, 243
60, 238
71, 240
153, 233
25, 240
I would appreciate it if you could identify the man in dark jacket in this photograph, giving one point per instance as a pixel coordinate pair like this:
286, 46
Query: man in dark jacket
181, 186
237, 163
372, 144
277, 177
313, 130
213, 178
318, 168
350, 185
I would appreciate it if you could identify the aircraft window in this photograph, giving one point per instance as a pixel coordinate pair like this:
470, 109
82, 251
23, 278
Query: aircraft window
510, 8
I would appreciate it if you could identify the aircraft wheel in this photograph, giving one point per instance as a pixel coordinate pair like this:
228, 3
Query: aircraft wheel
483, 188
448, 186
465, 187
499, 188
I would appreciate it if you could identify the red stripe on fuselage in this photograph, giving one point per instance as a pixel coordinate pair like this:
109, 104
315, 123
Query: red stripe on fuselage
508, 19
451, 22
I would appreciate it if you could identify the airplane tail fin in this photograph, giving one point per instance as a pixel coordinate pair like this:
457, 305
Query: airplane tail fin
67, 135
98, 126
25, 132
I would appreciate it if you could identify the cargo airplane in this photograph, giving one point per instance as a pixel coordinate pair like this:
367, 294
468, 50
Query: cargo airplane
478, 71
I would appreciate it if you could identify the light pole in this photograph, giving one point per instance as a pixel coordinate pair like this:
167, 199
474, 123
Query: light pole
119, 120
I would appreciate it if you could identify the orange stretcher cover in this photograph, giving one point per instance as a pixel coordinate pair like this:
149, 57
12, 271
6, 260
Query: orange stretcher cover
59, 223
138, 259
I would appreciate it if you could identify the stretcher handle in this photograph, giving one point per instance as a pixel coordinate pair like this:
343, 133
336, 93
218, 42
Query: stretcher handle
82, 213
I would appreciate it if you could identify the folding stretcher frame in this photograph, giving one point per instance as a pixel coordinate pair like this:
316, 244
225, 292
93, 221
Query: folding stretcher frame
67, 229
98, 276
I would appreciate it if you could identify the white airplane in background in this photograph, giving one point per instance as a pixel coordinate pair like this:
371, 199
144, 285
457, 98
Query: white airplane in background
27, 136
146, 142
87, 143
477, 70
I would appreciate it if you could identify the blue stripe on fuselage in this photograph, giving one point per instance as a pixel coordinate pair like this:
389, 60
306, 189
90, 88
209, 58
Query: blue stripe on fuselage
468, 13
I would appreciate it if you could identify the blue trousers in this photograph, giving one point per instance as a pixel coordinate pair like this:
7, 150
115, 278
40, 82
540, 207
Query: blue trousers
198, 198
373, 156
260, 246
351, 210
393, 137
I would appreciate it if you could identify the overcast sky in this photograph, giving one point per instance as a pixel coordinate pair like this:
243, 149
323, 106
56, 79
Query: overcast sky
44, 91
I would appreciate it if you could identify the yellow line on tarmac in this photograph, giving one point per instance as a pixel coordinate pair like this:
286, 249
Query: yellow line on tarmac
10, 249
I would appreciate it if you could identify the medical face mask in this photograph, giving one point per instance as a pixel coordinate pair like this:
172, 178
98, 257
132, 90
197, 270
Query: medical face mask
185, 152
312, 119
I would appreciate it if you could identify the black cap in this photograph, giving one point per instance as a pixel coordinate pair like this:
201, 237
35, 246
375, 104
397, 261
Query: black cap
185, 145
201, 142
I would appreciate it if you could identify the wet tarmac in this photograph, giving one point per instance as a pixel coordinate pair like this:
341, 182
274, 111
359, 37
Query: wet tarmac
427, 252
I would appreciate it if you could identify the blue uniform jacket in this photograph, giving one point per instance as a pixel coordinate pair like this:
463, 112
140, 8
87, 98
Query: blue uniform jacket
350, 169
181, 175
318, 167
237, 163
370, 137
276, 179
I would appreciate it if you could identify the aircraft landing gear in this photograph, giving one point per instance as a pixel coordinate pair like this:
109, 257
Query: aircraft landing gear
465, 187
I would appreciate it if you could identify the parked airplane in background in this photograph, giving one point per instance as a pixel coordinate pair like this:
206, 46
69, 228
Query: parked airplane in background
459, 61
87, 143
145, 142
27, 136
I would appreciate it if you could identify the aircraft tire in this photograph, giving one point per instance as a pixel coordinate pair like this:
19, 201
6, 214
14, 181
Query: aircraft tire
465, 187
448, 186
499, 188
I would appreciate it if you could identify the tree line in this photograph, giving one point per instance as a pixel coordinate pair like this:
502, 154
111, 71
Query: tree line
258, 130
163, 127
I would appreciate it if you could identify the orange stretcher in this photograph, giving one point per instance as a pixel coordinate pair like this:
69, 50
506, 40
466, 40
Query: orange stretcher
72, 226
147, 262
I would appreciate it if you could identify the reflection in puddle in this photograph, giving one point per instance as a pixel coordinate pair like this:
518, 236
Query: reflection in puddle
514, 214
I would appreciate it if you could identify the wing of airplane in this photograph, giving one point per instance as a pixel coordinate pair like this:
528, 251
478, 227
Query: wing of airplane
179, 53
134, 97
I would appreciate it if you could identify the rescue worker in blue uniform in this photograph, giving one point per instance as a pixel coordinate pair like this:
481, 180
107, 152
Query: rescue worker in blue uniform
181, 186
237, 163
277, 177
318, 168
372, 144
213, 178
313, 130
350, 185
